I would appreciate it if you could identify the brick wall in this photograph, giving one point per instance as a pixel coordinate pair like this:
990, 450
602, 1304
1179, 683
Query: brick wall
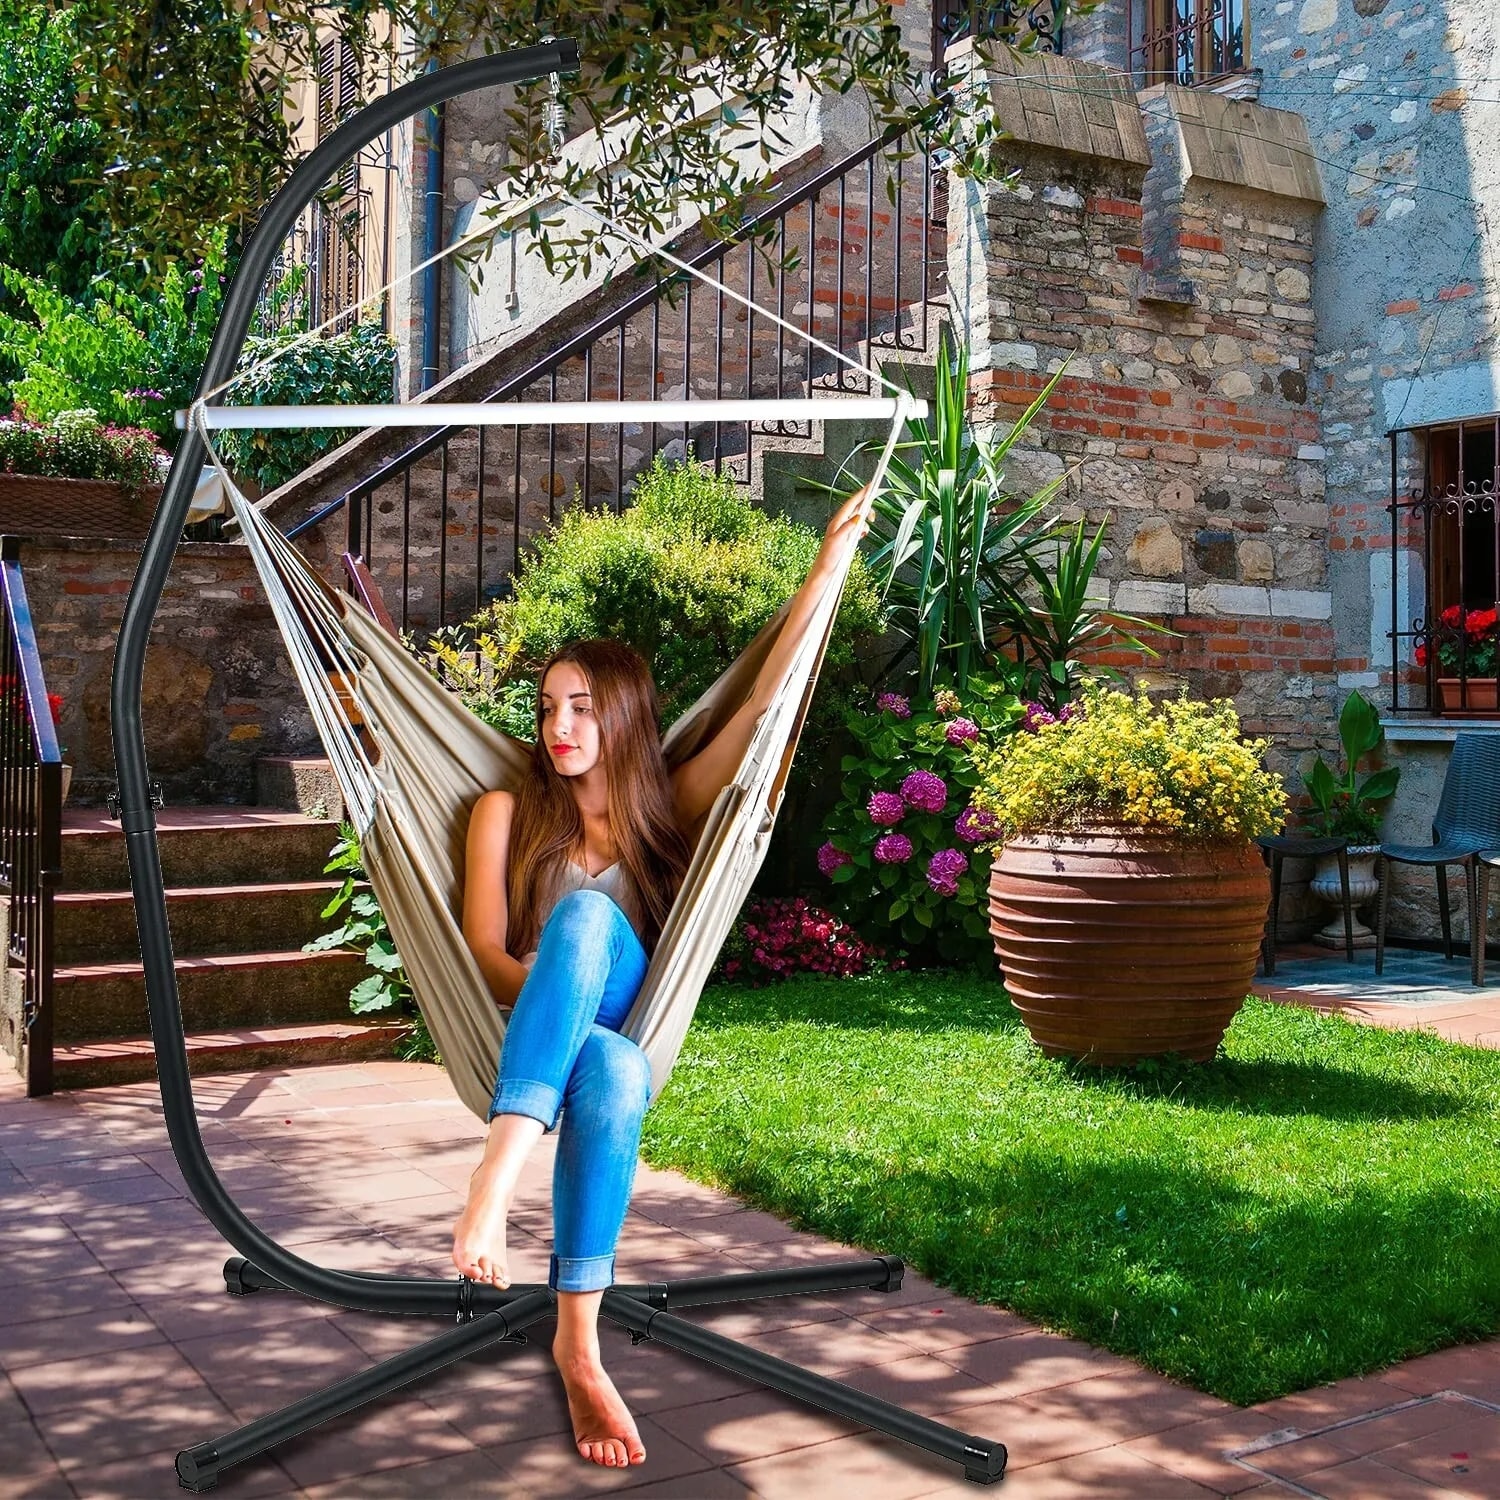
1181, 303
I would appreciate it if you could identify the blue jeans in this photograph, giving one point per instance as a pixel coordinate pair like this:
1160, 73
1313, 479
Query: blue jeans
563, 1053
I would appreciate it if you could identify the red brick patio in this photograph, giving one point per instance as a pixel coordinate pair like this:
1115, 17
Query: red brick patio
120, 1346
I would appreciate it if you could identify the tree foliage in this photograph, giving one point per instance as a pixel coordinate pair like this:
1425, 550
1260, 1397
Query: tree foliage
49, 225
193, 94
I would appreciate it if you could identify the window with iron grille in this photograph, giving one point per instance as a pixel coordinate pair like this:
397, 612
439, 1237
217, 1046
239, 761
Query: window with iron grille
1186, 41
1446, 527
1030, 22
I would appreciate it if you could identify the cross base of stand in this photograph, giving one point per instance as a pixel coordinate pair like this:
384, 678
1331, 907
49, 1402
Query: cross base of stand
642, 1309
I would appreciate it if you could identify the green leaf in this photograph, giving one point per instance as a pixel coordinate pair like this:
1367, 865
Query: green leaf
373, 993
899, 908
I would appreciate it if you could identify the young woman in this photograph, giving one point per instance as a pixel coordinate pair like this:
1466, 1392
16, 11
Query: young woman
567, 885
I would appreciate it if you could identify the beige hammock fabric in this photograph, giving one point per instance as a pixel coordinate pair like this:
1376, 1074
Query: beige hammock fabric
433, 758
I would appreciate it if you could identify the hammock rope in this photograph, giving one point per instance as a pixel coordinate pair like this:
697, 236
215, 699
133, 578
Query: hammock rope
428, 759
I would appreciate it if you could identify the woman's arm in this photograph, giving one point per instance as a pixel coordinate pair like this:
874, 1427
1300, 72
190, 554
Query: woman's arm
696, 782
485, 909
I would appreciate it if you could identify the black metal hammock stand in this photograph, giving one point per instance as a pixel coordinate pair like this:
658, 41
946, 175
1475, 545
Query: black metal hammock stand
485, 1316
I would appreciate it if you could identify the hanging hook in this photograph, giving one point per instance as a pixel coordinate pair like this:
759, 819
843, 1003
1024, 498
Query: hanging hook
554, 112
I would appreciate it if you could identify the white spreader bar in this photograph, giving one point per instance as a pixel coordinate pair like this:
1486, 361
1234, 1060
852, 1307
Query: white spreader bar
558, 413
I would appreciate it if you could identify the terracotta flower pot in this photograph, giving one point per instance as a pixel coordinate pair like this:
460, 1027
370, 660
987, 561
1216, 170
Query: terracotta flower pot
1477, 695
1121, 945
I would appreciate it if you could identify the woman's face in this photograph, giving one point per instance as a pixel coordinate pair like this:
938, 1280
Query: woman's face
570, 731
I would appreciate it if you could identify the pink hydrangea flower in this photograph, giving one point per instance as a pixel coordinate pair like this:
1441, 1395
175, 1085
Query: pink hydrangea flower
974, 826
885, 809
943, 870
894, 703
961, 731
893, 849
831, 858
925, 791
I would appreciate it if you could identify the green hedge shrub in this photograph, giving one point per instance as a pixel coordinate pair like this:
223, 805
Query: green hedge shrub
686, 575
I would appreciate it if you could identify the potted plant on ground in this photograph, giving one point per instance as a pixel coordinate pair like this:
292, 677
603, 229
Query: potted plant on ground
1127, 900
1348, 806
1465, 641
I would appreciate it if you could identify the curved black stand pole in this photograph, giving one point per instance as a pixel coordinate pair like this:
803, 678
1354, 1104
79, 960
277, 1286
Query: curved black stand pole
486, 1315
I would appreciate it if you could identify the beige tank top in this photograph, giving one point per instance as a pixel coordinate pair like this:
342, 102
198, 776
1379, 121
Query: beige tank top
614, 880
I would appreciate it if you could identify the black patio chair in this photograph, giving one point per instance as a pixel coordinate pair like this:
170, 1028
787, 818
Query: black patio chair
1466, 825
1274, 848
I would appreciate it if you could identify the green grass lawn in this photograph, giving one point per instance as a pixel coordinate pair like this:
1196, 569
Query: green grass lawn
1320, 1201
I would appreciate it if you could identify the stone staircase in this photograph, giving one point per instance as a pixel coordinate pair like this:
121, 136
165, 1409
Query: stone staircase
245, 889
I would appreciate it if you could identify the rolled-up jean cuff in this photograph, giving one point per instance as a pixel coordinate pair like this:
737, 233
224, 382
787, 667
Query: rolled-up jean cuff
527, 1096
581, 1273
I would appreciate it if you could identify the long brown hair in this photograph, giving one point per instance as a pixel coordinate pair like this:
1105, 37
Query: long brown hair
547, 829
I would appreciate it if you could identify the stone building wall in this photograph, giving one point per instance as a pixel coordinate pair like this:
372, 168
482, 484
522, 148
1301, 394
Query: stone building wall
1176, 285
218, 691
1395, 100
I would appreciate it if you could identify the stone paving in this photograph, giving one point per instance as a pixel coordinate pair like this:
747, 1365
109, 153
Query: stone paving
1417, 991
119, 1345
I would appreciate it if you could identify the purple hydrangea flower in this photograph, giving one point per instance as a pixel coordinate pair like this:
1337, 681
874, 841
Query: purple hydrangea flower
894, 703
1035, 716
893, 849
145, 393
925, 791
943, 870
974, 825
885, 809
961, 731
831, 858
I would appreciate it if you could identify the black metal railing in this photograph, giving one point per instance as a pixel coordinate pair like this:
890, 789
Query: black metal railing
1445, 569
857, 257
30, 823
1185, 41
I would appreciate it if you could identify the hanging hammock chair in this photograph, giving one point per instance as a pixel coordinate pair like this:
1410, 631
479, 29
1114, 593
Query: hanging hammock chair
411, 778
411, 794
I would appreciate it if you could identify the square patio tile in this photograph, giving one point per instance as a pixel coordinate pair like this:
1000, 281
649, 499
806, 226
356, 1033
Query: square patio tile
753, 1425
95, 1331
56, 1386
391, 1434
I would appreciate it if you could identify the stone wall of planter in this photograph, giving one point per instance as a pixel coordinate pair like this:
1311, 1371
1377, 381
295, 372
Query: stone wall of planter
218, 689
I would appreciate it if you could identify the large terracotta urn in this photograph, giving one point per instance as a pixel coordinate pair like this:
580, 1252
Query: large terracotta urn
1119, 945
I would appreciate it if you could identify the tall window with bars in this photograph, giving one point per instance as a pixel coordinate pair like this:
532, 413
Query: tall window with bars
1186, 41
1449, 523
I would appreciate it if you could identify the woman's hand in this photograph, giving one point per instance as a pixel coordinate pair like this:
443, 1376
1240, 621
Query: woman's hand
846, 518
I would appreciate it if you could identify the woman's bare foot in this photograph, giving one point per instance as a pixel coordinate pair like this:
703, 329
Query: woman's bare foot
603, 1428
479, 1236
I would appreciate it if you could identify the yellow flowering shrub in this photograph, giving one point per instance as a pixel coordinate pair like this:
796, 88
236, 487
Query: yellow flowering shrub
1118, 760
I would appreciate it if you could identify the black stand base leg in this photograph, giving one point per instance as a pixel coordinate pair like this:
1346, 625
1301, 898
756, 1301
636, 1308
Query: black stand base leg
198, 1468
983, 1460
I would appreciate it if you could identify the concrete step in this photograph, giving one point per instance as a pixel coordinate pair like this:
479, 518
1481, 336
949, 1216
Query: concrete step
298, 783
100, 927
217, 992
199, 846
132, 1059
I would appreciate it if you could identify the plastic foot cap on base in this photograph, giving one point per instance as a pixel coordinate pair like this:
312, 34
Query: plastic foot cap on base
984, 1463
198, 1468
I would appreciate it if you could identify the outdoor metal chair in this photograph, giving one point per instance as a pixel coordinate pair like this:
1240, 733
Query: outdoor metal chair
1275, 847
1467, 823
